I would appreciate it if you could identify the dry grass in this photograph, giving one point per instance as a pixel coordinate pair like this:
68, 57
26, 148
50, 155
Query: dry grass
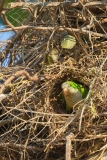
33, 121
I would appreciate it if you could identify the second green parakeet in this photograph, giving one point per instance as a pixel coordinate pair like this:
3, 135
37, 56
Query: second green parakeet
73, 93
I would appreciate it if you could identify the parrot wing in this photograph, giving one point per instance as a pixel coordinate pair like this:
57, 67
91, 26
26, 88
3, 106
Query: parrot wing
81, 88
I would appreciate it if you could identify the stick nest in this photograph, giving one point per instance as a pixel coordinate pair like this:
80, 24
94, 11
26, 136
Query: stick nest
34, 123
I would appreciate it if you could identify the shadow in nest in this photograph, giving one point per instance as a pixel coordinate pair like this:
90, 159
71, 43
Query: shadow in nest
56, 100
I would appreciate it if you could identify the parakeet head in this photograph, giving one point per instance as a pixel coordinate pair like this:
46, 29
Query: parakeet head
73, 93
67, 89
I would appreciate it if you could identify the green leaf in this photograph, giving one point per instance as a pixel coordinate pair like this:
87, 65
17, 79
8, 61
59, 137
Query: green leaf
68, 42
17, 16
7, 3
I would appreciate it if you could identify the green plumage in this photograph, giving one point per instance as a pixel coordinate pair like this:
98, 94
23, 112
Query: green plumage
73, 93
80, 88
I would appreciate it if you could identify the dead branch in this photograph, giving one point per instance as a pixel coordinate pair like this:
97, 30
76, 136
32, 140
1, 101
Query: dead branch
26, 74
16, 36
59, 28
1, 5
54, 4
39, 110
102, 21
3, 13
8, 121
18, 146
68, 146
41, 4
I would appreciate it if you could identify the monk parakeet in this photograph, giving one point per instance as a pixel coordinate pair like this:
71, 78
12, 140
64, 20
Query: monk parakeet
52, 57
73, 93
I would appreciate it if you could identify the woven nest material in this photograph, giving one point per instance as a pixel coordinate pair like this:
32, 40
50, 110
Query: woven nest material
35, 110
34, 123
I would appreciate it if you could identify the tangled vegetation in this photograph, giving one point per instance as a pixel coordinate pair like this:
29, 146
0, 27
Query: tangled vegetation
34, 123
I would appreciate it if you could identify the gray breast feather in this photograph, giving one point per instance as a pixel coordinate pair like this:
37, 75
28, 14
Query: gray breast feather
73, 98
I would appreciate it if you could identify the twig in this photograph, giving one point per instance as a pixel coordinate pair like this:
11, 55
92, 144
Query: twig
3, 13
54, 4
68, 146
47, 4
102, 21
16, 36
1, 5
90, 91
70, 120
13, 145
61, 130
7, 121
26, 74
59, 28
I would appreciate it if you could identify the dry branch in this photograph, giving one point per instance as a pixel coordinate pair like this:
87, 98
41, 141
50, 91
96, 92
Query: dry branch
17, 36
41, 4
18, 146
1, 5
26, 74
58, 28
39, 125
55, 4
3, 13
68, 146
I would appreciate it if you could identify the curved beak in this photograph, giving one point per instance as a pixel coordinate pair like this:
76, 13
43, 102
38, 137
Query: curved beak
66, 92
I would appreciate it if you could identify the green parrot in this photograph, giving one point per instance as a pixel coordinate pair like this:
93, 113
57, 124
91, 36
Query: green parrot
73, 93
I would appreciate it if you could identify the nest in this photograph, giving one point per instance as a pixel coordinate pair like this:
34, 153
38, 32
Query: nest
34, 123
